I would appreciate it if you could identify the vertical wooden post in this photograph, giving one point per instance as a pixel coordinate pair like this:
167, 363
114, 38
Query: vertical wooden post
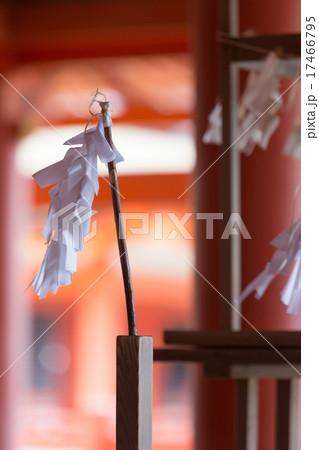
134, 390
294, 414
241, 414
252, 413
225, 87
247, 413
283, 414
246, 399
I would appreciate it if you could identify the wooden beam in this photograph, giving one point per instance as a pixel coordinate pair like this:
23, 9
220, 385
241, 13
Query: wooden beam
238, 363
182, 355
228, 358
231, 355
226, 338
269, 370
134, 385
254, 48
124, 13
49, 46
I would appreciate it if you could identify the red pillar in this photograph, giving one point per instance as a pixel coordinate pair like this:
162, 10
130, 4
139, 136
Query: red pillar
214, 397
269, 180
7, 137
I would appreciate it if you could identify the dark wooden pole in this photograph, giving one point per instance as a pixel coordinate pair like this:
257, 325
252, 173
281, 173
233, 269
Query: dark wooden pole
126, 272
283, 414
225, 90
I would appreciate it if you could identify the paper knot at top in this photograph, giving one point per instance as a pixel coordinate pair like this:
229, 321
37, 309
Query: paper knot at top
105, 106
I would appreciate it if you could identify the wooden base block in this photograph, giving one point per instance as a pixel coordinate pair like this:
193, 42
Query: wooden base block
134, 392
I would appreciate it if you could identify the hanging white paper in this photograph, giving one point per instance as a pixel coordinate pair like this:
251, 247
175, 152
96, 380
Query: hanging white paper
258, 108
288, 254
213, 134
257, 112
292, 146
76, 181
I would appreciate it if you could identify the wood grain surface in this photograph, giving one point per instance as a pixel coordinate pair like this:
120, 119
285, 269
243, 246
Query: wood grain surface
134, 391
227, 338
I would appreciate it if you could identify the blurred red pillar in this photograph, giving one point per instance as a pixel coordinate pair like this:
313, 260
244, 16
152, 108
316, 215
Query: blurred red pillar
269, 179
215, 397
7, 139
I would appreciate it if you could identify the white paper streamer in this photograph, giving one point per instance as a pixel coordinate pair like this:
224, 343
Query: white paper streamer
292, 146
213, 134
255, 126
70, 210
288, 252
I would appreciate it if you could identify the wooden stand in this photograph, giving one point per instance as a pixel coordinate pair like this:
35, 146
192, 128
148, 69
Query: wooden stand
246, 357
134, 391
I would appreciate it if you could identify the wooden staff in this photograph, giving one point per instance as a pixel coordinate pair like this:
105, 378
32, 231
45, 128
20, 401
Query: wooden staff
121, 241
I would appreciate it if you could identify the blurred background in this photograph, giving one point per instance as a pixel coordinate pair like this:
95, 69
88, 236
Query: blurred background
59, 393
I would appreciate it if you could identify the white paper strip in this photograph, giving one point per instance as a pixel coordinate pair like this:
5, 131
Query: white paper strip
288, 254
292, 146
257, 112
213, 134
70, 210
